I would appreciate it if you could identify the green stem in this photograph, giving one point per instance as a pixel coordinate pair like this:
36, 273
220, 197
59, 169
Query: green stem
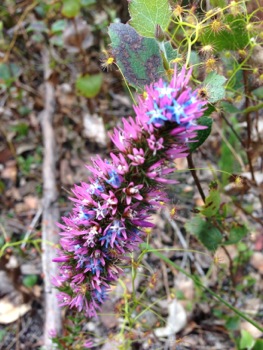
252, 108
146, 247
126, 308
134, 274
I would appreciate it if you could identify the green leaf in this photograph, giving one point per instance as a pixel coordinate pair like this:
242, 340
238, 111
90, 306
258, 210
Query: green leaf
258, 92
237, 232
30, 280
57, 40
208, 234
146, 14
37, 27
2, 189
229, 107
214, 85
42, 9
232, 36
71, 8
87, 2
227, 161
89, 85
171, 53
258, 345
247, 341
194, 59
21, 129
138, 58
24, 110
58, 26
2, 334
218, 3
212, 203
202, 135
233, 323
8, 74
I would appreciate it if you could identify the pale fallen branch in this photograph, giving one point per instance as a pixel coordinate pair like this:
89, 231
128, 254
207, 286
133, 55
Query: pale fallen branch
50, 208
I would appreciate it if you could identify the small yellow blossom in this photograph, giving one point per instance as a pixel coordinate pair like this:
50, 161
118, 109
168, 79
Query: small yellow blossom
216, 26
145, 95
178, 11
210, 65
206, 49
107, 62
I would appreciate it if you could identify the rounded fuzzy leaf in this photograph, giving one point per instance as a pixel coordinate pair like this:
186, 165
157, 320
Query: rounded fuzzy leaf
71, 8
89, 85
214, 85
138, 58
146, 14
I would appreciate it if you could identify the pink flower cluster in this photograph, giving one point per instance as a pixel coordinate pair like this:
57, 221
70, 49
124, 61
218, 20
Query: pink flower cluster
111, 211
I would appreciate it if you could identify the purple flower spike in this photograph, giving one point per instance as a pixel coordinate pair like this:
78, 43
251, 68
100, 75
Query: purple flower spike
111, 211
137, 157
132, 191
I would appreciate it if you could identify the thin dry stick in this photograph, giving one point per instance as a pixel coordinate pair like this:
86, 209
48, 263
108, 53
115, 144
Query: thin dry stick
165, 280
31, 226
183, 242
195, 177
21, 19
232, 129
248, 120
50, 208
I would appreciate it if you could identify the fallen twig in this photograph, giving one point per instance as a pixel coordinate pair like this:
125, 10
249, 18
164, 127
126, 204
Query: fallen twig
50, 209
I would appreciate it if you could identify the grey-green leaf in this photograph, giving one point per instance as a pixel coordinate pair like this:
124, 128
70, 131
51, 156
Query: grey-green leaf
214, 85
138, 58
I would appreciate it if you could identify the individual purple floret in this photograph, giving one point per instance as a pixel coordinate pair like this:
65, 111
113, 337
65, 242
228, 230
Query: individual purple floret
111, 212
